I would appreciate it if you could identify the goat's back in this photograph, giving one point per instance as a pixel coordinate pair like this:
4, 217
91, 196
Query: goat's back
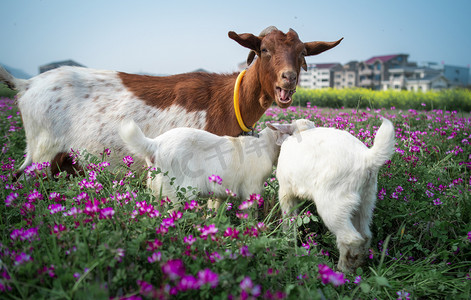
324, 158
320, 152
81, 108
192, 155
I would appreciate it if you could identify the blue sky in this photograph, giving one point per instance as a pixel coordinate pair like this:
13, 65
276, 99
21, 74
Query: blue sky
180, 36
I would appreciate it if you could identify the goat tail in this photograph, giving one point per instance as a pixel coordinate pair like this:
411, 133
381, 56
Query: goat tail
12, 82
383, 147
136, 141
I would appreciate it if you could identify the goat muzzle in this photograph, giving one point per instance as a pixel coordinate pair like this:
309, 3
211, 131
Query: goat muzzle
284, 97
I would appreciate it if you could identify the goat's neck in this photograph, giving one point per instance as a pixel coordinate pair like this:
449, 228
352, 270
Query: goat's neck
251, 97
268, 139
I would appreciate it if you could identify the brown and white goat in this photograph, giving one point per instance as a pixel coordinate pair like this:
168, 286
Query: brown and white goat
78, 108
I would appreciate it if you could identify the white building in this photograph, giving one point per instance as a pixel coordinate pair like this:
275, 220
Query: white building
415, 79
318, 76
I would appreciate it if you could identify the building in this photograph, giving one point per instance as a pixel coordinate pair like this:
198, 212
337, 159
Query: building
415, 78
457, 76
428, 83
53, 65
346, 76
373, 71
318, 76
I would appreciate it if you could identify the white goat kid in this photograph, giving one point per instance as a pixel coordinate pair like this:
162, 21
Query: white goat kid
192, 155
339, 173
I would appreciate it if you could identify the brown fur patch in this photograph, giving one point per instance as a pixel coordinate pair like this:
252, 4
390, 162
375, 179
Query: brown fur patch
63, 162
212, 93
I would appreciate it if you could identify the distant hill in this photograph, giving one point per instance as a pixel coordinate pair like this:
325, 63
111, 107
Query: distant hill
16, 72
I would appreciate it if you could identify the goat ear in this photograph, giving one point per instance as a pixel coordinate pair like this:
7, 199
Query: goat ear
247, 40
251, 57
304, 65
283, 131
314, 48
283, 128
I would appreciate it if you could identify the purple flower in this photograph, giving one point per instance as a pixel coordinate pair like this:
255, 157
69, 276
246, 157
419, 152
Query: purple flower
190, 206
214, 257
382, 193
145, 287
357, 279
209, 230
230, 193
55, 196
256, 198
106, 213
156, 256
402, 295
232, 233
207, 276
469, 236
244, 251
189, 239
215, 178
91, 207
119, 254
437, 201
22, 258
128, 160
34, 195
153, 245
72, 212
106, 152
36, 168
174, 269
10, 198
248, 288
82, 196
327, 275
245, 205
188, 282
246, 283
242, 215
58, 228
55, 208
168, 222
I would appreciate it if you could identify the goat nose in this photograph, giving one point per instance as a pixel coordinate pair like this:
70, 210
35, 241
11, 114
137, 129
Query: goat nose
290, 76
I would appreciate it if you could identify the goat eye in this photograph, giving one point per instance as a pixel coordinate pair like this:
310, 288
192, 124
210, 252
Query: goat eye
264, 50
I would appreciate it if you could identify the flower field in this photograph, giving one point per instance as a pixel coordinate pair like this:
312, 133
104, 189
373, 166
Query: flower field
100, 236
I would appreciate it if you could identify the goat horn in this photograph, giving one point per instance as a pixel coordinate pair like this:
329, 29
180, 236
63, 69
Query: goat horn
267, 31
293, 31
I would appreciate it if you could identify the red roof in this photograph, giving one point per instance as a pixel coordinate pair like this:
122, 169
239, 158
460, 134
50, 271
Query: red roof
383, 58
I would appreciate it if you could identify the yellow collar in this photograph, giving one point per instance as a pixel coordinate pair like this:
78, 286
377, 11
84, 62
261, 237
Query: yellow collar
236, 102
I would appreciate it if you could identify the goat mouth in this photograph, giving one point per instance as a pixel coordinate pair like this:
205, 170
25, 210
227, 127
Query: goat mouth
284, 96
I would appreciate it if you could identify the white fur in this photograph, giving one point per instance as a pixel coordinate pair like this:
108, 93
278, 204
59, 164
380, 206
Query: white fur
55, 118
191, 156
339, 173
